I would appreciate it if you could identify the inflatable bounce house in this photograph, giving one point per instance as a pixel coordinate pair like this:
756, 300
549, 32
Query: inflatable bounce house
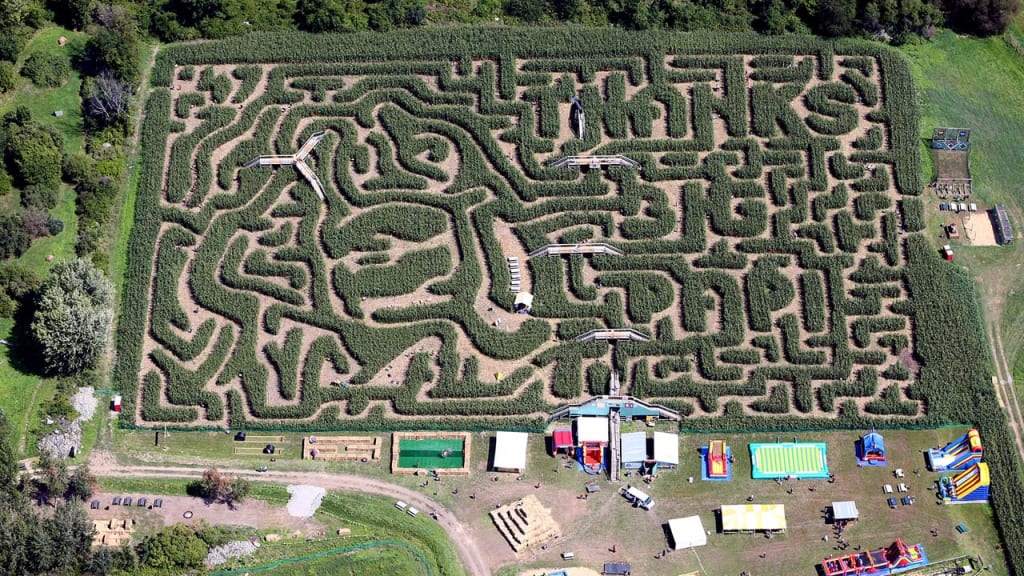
958, 455
967, 487
892, 560
717, 460
871, 450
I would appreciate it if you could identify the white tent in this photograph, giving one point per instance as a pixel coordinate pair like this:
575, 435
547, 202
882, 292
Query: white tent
687, 532
845, 510
666, 449
510, 452
523, 301
592, 429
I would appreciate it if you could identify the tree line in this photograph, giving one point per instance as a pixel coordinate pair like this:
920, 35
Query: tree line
897, 22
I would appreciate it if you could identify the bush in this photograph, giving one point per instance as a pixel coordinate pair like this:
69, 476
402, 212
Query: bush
39, 196
47, 70
77, 168
8, 77
14, 239
36, 222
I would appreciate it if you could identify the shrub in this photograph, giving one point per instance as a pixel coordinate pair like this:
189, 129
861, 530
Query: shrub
39, 196
48, 70
8, 77
14, 239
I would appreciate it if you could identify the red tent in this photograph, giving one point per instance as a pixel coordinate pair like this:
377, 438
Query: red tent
561, 440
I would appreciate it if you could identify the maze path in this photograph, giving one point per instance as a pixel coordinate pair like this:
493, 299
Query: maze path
761, 239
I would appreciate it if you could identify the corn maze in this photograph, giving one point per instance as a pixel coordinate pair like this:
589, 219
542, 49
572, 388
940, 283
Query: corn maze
763, 231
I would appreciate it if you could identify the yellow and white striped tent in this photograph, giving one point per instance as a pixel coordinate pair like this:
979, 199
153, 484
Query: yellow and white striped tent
754, 518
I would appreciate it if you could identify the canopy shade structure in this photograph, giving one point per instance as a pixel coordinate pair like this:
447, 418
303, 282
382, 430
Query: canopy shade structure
592, 430
666, 449
523, 302
510, 451
634, 449
846, 510
687, 532
754, 518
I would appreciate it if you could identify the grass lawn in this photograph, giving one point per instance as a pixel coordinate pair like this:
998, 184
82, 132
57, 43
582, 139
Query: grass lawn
382, 559
371, 519
976, 84
61, 246
590, 527
22, 393
43, 102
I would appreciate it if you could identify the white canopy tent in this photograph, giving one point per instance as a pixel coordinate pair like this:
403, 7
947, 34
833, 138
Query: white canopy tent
687, 532
592, 429
666, 449
510, 452
523, 301
845, 510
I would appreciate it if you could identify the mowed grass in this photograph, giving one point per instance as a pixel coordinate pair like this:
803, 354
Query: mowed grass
382, 559
590, 527
976, 84
422, 547
43, 102
22, 393
639, 535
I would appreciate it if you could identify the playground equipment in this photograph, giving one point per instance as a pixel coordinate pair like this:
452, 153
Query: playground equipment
438, 452
298, 160
797, 460
526, 523
968, 487
958, 139
871, 450
951, 150
595, 162
717, 457
896, 558
959, 454
592, 435
561, 440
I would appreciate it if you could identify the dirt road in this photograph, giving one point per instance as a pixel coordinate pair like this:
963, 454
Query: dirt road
1006, 390
104, 465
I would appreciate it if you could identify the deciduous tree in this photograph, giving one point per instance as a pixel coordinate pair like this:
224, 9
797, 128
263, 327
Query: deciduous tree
73, 317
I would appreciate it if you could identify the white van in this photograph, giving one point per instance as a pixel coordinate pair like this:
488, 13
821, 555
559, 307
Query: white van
638, 498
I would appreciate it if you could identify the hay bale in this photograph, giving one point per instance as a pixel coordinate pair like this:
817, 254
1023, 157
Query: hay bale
344, 531
273, 537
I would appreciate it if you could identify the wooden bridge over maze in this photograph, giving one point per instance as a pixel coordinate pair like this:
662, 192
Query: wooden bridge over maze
571, 249
595, 162
298, 160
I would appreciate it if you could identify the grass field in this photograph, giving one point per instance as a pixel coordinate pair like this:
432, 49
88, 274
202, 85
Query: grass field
975, 83
43, 102
590, 527
21, 393
383, 559
419, 544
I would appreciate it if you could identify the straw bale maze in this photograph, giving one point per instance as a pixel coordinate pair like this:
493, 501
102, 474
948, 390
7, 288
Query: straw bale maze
762, 230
